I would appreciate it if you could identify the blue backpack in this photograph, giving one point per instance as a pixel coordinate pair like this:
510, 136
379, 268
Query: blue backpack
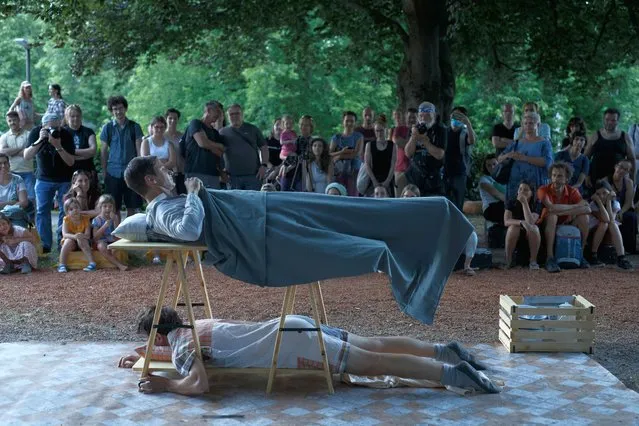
568, 246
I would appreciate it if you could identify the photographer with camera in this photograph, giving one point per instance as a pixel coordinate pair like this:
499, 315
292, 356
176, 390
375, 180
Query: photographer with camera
295, 171
425, 148
54, 150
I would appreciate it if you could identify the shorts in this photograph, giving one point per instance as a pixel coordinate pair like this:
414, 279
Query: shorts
120, 192
250, 345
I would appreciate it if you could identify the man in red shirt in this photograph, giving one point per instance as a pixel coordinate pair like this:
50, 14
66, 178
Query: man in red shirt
563, 205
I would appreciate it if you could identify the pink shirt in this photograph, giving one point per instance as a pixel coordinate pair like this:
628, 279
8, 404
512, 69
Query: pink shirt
402, 162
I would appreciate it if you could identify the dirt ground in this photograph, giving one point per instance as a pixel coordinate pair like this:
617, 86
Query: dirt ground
47, 306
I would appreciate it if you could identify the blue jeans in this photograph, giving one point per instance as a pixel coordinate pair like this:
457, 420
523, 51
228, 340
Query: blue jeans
29, 182
247, 182
45, 191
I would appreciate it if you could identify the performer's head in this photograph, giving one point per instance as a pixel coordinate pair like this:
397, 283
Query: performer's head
169, 321
148, 177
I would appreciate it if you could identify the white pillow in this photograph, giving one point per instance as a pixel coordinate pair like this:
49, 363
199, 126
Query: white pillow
132, 228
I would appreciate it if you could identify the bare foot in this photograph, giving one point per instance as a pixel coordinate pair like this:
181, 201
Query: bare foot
123, 268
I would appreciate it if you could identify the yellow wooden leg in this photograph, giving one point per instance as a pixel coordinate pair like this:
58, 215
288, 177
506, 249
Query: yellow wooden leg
178, 289
320, 338
320, 301
198, 268
187, 301
156, 316
289, 298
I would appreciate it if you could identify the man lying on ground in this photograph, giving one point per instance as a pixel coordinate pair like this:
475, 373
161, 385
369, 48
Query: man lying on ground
239, 344
279, 239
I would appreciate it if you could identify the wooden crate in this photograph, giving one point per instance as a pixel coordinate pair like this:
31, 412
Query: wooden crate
554, 328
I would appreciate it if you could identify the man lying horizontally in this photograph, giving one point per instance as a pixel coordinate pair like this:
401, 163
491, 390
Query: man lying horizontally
239, 344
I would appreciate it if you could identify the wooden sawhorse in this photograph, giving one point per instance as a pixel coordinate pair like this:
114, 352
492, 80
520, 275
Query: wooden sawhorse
176, 254
319, 315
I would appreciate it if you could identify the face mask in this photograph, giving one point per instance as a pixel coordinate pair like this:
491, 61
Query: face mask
456, 123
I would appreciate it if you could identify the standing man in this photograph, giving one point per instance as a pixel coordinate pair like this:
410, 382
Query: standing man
121, 139
53, 148
203, 147
425, 149
242, 141
504, 132
457, 161
83, 140
608, 146
12, 144
367, 129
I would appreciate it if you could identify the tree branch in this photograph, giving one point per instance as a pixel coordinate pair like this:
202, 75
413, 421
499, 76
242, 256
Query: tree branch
504, 64
603, 30
380, 18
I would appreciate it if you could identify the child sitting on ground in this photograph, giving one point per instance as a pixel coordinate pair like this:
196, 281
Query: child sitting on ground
604, 208
103, 225
76, 232
16, 248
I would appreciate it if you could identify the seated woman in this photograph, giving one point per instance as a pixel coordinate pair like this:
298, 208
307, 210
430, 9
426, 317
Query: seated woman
250, 345
520, 217
85, 190
579, 162
492, 193
320, 167
13, 193
627, 216
604, 208
17, 249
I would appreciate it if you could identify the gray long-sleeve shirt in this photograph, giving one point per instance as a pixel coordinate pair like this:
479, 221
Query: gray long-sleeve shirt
178, 218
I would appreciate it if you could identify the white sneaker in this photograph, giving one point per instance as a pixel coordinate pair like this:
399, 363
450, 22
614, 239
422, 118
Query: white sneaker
534, 266
157, 260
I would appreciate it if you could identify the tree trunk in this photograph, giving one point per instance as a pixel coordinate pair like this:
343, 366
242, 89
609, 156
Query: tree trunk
426, 73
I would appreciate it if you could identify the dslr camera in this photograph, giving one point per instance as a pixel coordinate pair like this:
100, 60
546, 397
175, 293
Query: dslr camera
53, 132
421, 128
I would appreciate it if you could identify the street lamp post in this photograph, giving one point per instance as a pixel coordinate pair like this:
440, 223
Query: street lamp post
27, 47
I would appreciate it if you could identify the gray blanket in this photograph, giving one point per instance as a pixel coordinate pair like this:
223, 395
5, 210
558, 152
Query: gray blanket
278, 239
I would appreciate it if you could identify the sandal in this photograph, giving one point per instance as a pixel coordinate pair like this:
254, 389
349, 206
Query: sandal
62, 268
90, 267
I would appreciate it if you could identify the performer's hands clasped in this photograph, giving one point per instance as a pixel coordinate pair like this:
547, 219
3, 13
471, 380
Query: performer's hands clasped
193, 185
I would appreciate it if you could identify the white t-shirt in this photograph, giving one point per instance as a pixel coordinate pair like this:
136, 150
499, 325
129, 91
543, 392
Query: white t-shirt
9, 192
593, 221
486, 197
17, 162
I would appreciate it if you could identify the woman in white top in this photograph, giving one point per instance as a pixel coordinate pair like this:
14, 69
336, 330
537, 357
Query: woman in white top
320, 167
158, 145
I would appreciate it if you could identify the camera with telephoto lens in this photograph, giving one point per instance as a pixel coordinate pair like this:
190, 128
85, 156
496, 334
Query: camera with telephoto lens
303, 148
422, 128
53, 132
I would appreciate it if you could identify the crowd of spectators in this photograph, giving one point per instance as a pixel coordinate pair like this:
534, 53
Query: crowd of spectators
590, 182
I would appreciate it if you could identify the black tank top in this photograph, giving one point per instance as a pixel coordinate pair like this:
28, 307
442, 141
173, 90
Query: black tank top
605, 154
381, 160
